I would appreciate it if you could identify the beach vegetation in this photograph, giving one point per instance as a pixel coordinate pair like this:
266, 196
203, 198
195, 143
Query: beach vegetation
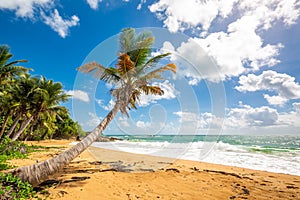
10, 150
130, 77
12, 187
30, 105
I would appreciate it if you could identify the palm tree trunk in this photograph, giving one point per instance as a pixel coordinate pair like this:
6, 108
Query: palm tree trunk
13, 126
22, 128
5, 123
36, 173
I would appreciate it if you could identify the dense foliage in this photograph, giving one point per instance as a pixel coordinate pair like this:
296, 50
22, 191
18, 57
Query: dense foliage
12, 188
29, 110
10, 150
30, 105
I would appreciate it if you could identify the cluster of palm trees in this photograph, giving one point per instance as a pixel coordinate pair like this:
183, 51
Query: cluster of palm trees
29, 106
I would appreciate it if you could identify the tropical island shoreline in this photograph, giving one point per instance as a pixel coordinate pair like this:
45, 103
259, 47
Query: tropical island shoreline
106, 174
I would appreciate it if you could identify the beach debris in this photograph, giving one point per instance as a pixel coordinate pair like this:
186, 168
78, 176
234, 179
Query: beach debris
50, 182
88, 171
195, 169
167, 163
78, 161
146, 170
76, 178
246, 191
107, 170
222, 172
173, 169
61, 193
96, 163
82, 178
117, 166
291, 187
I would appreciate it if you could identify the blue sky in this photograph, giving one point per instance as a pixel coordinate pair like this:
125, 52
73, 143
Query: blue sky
238, 60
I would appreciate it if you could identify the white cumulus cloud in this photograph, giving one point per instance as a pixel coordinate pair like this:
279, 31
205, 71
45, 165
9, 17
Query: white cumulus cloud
192, 122
243, 119
58, 24
181, 15
94, 3
296, 107
197, 13
107, 107
142, 124
79, 94
283, 85
43, 10
246, 116
169, 93
93, 121
239, 48
247, 119
25, 8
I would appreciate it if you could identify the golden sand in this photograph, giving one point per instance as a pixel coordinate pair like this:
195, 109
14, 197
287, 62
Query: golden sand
108, 175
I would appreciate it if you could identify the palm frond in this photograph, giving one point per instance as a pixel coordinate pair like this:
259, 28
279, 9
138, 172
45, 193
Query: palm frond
156, 59
14, 62
152, 62
135, 96
89, 67
126, 40
141, 50
150, 89
110, 75
101, 72
156, 74
4, 54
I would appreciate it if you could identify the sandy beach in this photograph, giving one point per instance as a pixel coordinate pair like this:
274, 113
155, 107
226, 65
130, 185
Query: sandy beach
109, 175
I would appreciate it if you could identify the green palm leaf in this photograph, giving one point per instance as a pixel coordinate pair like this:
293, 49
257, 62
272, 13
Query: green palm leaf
100, 72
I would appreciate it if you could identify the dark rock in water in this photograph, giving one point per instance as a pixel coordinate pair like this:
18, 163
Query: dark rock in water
107, 139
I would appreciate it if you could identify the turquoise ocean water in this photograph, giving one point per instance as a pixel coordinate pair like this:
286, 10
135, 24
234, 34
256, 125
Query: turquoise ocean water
274, 153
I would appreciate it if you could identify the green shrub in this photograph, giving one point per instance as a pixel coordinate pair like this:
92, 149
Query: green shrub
11, 187
9, 150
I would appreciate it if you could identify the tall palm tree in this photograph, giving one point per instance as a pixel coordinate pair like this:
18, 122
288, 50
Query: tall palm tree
44, 97
131, 77
22, 93
9, 69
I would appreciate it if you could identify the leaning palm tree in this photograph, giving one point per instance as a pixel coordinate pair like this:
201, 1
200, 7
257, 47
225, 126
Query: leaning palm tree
131, 78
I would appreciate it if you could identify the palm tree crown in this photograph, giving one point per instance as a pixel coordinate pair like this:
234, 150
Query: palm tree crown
133, 71
9, 69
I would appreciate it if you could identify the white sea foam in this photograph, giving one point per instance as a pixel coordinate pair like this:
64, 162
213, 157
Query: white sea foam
212, 152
